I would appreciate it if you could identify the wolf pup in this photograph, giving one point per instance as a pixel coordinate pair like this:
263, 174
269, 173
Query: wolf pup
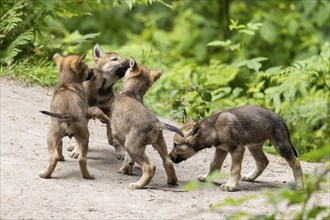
70, 113
108, 69
231, 131
135, 126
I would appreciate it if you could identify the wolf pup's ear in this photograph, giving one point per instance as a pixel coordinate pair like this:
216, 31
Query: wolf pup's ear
57, 59
190, 121
82, 59
157, 74
195, 130
97, 52
133, 69
132, 63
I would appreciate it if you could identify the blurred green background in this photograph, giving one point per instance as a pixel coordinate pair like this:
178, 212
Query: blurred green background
215, 53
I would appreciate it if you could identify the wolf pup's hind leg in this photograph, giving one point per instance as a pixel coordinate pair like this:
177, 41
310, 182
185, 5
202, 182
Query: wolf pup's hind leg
82, 144
260, 160
160, 146
53, 141
283, 147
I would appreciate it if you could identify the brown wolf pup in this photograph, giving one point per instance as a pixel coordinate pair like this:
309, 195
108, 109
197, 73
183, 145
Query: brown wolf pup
135, 126
231, 131
70, 113
108, 69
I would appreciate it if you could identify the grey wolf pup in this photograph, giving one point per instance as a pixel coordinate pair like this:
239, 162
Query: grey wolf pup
231, 131
70, 113
108, 69
135, 126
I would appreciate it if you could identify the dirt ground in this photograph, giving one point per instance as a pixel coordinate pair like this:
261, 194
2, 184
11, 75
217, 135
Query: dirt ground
68, 196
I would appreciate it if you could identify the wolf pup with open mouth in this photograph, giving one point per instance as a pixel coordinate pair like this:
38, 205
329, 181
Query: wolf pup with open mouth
108, 69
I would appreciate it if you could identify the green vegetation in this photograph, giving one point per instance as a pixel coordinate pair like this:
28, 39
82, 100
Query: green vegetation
215, 53
287, 202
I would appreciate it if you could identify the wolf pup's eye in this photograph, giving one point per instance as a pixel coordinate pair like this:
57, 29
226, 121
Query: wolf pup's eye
114, 59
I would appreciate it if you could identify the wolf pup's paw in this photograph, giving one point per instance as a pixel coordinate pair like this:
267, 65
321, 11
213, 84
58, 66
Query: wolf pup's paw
105, 121
70, 147
247, 178
61, 158
120, 155
173, 181
89, 177
128, 170
202, 178
135, 186
74, 155
44, 175
120, 152
228, 188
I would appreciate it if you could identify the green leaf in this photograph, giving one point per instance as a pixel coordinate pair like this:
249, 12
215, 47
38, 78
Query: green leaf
234, 25
309, 6
232, 201
268, 32
253, 64
236, 92
293, 27
317, 154
254, 26
277, 102
219, 43
315, 211
130, 3
212, 86
206, 96
259, 59
191, 186
235, 47
273, 69
270, 149
294, 197
248, 32
214, 176
76, 37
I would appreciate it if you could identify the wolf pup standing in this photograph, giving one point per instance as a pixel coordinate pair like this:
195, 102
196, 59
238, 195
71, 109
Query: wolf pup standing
70, 113
108, 69
231, 131
135, 126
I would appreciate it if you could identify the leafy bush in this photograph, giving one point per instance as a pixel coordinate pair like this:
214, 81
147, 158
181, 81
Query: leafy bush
215, 54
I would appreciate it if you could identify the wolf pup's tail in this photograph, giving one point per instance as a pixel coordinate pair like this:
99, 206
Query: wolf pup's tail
66, 116
162, 125
289, 139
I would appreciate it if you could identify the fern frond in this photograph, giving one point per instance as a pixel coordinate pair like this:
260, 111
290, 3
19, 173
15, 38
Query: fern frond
298, 78
7, 56
12, 18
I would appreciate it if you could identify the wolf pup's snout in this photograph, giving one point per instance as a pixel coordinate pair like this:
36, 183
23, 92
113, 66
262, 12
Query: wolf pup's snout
121, 68
176, 158
90, 74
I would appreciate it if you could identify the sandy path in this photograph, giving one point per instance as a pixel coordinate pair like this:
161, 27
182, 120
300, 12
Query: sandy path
68, 196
